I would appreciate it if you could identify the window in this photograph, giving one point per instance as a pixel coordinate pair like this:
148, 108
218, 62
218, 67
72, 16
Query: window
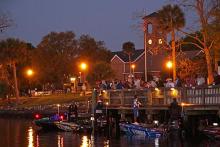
160, 41
150, 28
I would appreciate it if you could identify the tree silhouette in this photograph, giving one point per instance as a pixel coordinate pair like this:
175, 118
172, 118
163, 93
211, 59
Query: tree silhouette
128, 48
171, 18
13, 52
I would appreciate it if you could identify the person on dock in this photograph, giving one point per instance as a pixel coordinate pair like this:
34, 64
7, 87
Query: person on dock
136, 105
73, 112
175, 110
99, 108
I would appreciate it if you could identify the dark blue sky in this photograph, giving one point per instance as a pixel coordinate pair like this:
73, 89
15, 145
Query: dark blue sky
107, 20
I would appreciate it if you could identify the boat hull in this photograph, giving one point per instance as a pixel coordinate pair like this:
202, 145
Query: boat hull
48, 124
136, 129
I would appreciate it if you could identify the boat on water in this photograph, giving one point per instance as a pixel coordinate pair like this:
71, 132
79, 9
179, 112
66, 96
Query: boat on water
47, 123
58, 123
212, 132
142, 130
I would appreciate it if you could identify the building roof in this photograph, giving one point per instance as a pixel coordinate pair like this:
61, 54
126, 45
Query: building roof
190, 53
154, 14
124, 57
140, 52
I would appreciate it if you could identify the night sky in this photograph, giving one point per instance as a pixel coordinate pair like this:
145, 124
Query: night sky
108, 20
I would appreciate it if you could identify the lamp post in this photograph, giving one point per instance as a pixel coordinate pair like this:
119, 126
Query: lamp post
133, 67
83, 67
73, 80
29, 73
106, 108
169, 65
58, 109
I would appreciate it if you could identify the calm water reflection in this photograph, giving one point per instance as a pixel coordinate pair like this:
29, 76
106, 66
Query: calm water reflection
22, 133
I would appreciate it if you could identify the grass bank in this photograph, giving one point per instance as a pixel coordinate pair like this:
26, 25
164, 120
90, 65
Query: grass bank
44, 100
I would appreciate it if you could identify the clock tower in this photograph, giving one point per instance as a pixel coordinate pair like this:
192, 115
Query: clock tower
154, 38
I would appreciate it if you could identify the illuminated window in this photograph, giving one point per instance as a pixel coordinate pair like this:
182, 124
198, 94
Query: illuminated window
160, 41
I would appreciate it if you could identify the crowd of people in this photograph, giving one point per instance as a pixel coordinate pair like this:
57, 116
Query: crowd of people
138, 83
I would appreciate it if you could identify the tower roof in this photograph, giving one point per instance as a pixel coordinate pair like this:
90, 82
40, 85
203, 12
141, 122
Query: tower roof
154, 14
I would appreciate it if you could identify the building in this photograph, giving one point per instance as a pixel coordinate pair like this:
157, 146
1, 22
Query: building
120, 64
155, 63
157, 53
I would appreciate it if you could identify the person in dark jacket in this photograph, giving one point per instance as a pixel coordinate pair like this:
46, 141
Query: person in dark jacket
175, 110
73, 112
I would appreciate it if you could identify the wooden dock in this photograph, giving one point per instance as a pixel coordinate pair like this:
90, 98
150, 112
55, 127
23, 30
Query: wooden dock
191, 99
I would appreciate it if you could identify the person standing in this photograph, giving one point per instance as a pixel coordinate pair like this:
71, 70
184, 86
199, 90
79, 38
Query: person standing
200, 80
175, 110
136, 105
216, 78
73, 112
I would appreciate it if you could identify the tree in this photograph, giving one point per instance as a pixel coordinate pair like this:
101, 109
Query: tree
13, 52
5, 21
54, 57
101, 71
92, 50
204, 10
214, 33
187, 67
171, 18
128, 48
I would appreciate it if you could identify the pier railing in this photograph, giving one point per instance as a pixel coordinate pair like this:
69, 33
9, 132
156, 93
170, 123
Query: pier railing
164, 96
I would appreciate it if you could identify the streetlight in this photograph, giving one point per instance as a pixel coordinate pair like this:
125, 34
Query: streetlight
133, 67
58, 109
83, 67
29, 74
73, 80
169, 65
106, 108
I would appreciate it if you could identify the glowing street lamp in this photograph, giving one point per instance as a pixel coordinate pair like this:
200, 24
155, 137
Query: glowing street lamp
169, 64
83, 66
133, 67
29, 74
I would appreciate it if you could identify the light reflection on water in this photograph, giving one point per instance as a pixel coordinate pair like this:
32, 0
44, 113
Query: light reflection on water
85, 142
28, 136
106, 143
156, 142
60, 141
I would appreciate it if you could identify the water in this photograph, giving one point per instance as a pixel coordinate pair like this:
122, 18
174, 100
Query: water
22, 133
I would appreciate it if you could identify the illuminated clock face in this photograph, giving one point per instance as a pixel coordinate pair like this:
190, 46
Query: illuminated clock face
149, 41
160, 41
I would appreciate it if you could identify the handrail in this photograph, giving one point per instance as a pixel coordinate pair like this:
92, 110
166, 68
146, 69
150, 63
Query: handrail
206, 95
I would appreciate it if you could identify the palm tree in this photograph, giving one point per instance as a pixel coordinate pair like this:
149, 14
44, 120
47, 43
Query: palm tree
12, 52
128, 48
171, 18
